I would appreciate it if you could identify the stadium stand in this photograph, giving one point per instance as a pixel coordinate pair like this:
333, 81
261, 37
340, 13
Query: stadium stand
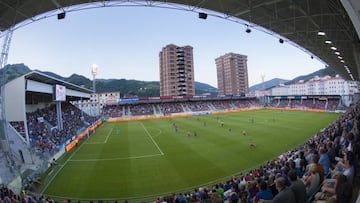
45, 138
19, 127
141, 109
319, 103
173, 107
222, 105
169, 108
113, 111
199, 106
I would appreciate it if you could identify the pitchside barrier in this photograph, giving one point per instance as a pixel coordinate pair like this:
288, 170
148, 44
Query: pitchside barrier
296, 109
71, 144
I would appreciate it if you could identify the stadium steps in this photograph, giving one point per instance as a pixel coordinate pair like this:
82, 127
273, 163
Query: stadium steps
48, 125
211, 107
123, 111
128, 111
185, 108
159, 112
326, 104
6, 172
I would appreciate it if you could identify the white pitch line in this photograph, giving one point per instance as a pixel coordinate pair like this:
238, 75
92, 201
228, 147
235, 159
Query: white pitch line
114, 159
108, 135
58, 171
162, 153
159, 131
95, 143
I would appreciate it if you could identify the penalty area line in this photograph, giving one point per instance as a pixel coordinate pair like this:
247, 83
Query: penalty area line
147, 132
104, 142
108, 135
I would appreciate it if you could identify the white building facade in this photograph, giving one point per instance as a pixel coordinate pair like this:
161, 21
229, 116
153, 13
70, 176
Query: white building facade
326, 85
97, 101
318, 86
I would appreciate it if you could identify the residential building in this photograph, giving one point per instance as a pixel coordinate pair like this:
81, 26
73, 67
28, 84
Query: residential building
176, 71
232, 74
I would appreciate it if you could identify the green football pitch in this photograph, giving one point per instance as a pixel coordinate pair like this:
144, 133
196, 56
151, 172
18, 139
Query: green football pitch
149, 158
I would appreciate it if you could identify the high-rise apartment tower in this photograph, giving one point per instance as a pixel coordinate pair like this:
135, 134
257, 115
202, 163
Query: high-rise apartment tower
232, 74
176, 71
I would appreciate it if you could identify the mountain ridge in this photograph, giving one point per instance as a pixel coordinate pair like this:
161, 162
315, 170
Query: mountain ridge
148, 88
276, 81
124, 86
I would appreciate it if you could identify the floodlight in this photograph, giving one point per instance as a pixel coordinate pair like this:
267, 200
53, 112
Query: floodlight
203, 15
94, 70
61, 16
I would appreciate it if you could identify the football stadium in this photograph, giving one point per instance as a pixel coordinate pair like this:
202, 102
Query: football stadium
169, 148
58, 145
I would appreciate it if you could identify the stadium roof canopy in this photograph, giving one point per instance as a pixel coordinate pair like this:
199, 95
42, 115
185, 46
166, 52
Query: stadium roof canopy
28, 92
40, 86
43, 78
326, 29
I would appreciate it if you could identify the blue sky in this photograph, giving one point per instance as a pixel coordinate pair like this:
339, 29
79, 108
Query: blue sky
125, 43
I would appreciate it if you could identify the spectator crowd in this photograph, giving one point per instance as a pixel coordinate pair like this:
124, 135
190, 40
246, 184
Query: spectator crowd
44, 134
329, 104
